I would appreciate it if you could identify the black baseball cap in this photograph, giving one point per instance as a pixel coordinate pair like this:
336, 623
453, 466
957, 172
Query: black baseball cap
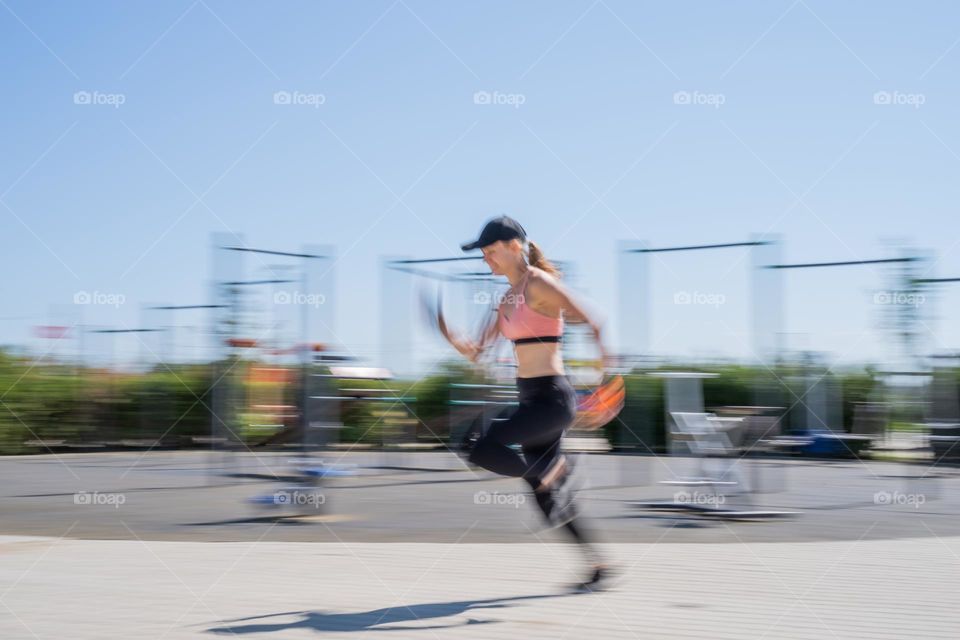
501, 228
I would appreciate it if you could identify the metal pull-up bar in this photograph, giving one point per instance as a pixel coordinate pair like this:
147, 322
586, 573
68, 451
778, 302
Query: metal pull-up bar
179, 307
397, 265
274, 253
727, 245
242, 283
442, 276
636, 298
844, 263
935, 280
429, 260
123, 330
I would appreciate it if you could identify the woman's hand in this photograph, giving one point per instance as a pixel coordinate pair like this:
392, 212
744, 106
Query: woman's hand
471, 349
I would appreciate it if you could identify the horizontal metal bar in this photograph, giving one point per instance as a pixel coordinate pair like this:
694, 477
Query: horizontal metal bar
124, 330
699, 247
844, 263
273, 253
430, 260
934, 280
441, 276
189, 306
249, 282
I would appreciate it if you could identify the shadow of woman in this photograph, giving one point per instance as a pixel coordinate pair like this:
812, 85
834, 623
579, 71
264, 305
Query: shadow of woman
377, 619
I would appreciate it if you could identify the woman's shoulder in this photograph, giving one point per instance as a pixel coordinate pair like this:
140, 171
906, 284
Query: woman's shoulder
541, 279
541, 291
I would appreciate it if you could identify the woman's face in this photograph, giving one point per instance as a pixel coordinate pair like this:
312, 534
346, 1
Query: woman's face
500, 255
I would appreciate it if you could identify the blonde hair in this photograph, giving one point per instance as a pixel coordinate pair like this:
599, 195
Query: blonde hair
536, 258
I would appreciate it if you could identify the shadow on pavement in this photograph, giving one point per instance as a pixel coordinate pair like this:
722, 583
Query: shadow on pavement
377, 619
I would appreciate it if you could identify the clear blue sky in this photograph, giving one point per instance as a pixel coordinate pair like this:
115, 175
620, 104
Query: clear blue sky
98, 198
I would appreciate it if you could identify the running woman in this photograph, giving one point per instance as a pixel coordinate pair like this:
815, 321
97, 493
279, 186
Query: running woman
531, 315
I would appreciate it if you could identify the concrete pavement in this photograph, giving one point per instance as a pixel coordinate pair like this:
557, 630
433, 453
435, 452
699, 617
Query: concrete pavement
153, 590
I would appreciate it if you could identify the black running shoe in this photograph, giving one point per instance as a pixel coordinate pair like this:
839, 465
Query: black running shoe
600, 579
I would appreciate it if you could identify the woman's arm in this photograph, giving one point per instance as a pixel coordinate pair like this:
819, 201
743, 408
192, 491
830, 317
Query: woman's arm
556, 295
472, 349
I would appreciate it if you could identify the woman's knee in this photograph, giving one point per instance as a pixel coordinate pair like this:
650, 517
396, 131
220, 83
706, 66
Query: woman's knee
499, 435
483, 450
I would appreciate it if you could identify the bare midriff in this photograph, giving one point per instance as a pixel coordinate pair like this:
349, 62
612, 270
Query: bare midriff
538, 359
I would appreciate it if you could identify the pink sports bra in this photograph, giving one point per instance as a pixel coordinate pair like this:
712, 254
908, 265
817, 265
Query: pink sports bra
527, 325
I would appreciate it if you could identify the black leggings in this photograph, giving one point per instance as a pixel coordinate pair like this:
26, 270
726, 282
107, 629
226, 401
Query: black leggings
548, 407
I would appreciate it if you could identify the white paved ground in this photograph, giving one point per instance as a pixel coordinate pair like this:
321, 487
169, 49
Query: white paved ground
79, 589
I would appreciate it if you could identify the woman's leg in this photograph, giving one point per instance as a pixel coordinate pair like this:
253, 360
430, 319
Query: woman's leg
538, 427
493, 451
533, 425
542, 457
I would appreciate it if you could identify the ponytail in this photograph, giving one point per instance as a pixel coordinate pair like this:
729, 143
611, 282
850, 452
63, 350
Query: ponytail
536, 258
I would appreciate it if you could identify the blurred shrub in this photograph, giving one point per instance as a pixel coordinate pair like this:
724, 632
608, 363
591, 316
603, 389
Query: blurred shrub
640, 426
53, 402
854, 388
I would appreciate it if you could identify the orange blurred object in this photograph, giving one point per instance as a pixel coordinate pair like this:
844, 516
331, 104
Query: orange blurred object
279, 375
242, 342
602, 405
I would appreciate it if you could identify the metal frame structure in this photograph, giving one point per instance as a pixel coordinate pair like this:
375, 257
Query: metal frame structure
228, 325
635, 294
